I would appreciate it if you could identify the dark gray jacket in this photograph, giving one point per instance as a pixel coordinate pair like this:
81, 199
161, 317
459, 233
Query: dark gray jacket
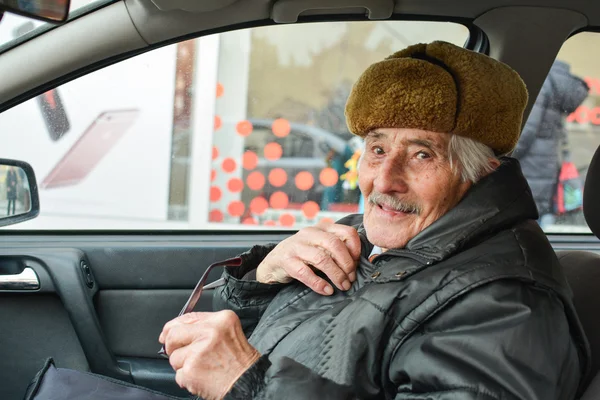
544, 132
475, 307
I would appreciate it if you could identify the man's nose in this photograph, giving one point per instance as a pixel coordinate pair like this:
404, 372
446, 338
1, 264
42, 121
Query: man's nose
390, 177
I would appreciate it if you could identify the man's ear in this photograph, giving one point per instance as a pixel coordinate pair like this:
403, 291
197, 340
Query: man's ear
494, 163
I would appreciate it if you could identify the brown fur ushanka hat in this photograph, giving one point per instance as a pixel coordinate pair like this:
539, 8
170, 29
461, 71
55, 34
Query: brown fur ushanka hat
440, 87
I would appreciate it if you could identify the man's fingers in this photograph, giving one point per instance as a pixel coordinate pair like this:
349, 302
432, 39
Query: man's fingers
330, 248
180, 336
188, 318
179, 378
324, 261
336, 248
349, 236
183, 330
303, 273
177, 358
167, 328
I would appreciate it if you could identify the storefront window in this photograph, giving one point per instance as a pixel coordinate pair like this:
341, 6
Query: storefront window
282, 154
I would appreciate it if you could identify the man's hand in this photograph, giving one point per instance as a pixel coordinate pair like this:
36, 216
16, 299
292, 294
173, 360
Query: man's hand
331, 248
208, 352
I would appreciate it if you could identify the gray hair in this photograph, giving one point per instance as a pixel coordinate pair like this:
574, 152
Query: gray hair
471, 156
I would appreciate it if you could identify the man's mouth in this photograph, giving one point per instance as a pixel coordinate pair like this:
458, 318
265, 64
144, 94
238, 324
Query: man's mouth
393, 206
390, 209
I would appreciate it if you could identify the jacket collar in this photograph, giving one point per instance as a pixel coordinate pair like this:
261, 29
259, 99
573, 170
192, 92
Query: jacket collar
497, 202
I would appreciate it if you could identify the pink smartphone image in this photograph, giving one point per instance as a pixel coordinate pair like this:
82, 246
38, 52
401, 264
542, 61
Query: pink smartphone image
98, 139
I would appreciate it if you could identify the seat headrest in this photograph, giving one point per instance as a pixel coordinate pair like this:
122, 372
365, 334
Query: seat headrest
591, 195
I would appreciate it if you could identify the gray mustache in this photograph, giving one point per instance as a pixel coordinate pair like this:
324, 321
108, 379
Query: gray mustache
377, 199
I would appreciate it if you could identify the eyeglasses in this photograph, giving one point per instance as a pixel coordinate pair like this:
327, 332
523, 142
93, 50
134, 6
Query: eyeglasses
197, 292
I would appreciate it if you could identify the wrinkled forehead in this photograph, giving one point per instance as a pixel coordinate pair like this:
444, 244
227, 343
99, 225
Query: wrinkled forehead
406, 137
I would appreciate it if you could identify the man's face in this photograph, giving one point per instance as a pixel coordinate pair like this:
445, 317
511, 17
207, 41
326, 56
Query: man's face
407, 181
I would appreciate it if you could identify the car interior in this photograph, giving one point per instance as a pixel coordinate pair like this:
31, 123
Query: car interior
104, 291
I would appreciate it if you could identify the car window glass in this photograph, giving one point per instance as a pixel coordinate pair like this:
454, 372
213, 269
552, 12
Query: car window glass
240, 130
561, 135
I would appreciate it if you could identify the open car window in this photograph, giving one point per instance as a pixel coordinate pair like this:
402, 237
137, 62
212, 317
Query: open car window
238, 130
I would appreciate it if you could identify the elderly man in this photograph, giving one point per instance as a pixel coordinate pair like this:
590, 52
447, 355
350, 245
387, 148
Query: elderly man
445, 288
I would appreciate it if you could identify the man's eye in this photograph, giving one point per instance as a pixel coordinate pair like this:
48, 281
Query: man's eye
378, 150
422, 155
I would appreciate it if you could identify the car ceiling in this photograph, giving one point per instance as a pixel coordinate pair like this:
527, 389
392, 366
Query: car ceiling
525, 34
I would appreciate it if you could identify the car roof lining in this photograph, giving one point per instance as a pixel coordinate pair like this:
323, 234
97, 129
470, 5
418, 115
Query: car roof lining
136, 26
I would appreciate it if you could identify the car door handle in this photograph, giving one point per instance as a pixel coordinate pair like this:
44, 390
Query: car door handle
26, 280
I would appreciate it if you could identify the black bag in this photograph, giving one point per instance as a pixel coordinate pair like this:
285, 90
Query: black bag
53, 383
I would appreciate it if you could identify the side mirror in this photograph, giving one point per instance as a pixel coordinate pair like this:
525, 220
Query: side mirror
44, 10
19, 199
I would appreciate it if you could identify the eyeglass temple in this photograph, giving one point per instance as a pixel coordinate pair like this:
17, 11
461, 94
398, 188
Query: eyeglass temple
197, 292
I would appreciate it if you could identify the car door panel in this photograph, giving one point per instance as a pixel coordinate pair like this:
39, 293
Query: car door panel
132, 319
103, 300
34, 327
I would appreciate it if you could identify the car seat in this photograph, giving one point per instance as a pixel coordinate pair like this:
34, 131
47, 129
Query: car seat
582, 269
